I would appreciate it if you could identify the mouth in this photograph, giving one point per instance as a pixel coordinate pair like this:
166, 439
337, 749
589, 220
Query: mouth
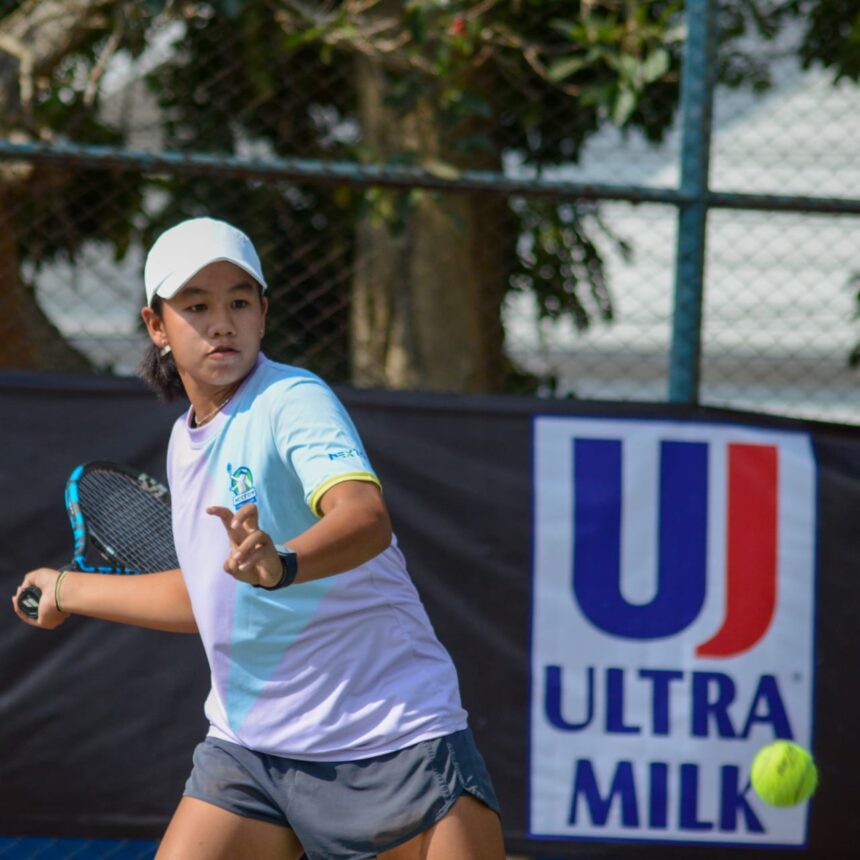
220, 351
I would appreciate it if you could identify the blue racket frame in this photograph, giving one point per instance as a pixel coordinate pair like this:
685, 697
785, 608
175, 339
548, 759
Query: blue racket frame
80, 535
29, 598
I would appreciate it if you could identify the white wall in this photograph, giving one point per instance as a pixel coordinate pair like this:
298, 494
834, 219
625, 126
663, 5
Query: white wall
778, 312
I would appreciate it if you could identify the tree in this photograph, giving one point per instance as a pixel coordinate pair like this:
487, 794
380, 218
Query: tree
417, 284
429, 84
52, 53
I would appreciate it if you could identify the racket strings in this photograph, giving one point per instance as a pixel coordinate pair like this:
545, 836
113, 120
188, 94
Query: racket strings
127, 521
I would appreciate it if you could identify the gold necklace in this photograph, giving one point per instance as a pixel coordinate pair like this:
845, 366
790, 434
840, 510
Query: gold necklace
198, 422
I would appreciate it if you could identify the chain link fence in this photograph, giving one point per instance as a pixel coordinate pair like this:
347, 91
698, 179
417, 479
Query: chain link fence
285, 118
450, 196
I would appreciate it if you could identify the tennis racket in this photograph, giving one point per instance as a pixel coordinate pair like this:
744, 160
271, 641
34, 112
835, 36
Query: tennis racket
121, 512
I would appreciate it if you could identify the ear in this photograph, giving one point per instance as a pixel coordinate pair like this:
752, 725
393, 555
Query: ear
265, 303
154, 327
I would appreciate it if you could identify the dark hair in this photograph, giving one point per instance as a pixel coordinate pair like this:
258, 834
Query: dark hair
159, 371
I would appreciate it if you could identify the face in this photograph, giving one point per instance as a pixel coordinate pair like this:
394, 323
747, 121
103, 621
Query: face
213, 326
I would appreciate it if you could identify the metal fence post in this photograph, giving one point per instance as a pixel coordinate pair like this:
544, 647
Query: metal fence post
697, 84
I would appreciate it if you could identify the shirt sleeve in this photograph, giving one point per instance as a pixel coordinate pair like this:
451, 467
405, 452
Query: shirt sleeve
317, 439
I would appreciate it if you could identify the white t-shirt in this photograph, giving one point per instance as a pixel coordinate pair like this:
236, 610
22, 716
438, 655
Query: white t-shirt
345, 667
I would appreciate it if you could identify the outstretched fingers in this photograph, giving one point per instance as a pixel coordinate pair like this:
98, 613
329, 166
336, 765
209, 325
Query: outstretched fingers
252, 555
237, 525
251, 549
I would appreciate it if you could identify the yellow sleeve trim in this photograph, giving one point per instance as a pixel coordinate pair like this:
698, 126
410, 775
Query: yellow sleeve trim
325, 486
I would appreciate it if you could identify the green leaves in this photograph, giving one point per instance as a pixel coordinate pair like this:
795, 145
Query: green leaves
595, 61
564, 67
560, 261
833, 36
616, 53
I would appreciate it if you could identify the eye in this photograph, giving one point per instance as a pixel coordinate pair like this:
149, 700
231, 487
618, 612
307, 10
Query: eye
196, 309
240, 303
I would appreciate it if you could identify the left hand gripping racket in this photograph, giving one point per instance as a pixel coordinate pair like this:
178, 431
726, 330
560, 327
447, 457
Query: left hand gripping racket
124, 514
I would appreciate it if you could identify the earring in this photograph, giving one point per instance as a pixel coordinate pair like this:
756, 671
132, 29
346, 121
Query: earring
165, 350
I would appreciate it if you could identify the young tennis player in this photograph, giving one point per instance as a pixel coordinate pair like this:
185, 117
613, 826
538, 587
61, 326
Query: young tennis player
335, 719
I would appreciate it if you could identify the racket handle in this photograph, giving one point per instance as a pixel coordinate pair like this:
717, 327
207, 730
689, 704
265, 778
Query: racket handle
28, 601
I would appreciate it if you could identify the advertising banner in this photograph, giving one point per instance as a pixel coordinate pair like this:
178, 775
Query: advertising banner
672, 629
636, 597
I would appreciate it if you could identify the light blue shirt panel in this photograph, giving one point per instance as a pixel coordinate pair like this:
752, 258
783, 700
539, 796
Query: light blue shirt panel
315, 434
291, 434
264, 624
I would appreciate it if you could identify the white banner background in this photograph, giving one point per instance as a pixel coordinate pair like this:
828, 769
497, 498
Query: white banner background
563, 637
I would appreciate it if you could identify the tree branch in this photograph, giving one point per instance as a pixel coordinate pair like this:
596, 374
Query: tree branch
34, 38
104, 58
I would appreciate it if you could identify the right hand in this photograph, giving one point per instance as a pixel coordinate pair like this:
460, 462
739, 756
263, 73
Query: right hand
253, 558
44, 578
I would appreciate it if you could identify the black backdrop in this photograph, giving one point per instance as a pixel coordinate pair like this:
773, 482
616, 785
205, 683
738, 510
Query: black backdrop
98, 721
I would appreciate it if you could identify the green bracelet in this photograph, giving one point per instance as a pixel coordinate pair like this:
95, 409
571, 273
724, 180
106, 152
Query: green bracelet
57, 585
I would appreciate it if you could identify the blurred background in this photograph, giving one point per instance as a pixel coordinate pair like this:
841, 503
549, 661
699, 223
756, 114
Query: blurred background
563, 198
448, 196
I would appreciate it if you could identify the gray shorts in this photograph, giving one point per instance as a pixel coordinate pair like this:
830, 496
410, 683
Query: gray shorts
347, 810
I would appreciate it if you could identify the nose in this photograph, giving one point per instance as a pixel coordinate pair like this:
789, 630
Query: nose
221, 323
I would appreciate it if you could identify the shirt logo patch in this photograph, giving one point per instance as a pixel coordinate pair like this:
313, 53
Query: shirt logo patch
241, 486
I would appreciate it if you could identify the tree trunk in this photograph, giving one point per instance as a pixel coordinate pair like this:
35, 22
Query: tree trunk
17, 349
426, 299
28, 339
33, 39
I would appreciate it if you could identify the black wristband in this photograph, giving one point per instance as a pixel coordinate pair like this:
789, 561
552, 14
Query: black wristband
289, 570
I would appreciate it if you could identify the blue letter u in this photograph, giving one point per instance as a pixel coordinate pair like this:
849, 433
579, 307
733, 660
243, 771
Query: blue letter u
682, 524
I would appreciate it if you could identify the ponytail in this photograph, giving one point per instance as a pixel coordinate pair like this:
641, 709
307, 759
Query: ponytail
159, 371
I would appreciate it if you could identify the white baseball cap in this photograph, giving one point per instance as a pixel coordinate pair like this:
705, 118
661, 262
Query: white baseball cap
182, 251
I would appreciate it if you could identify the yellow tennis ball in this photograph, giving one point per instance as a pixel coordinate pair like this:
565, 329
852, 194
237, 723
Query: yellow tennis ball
783, 774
